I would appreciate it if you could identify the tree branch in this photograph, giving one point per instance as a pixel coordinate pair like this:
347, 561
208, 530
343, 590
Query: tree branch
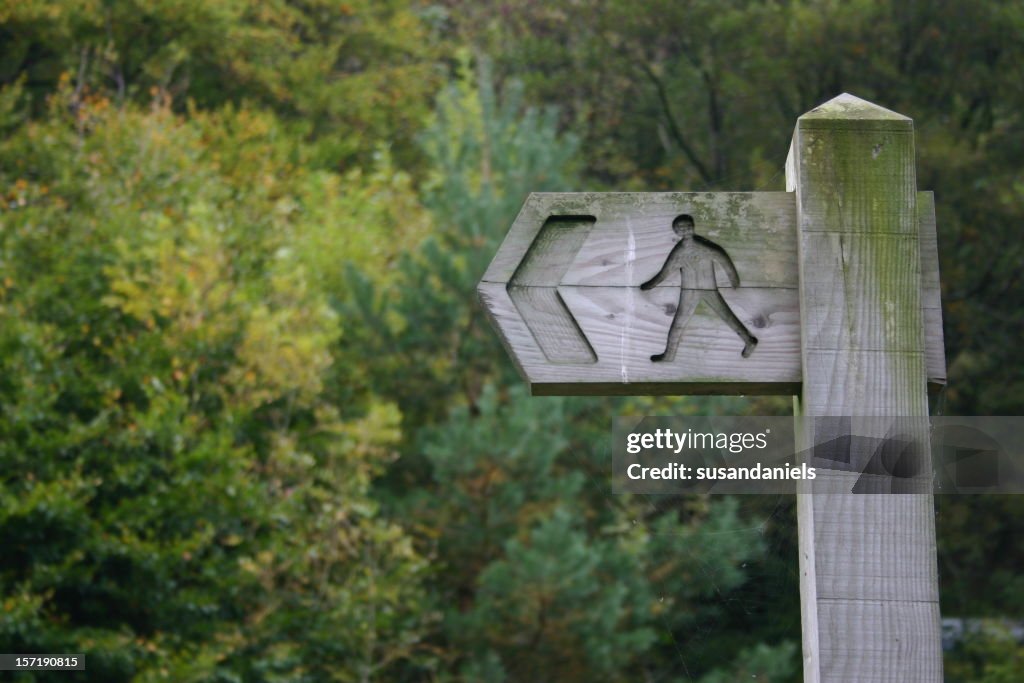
673, 128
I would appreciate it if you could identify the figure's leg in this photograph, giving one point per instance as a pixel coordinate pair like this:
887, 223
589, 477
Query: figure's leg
715, 301
688, 300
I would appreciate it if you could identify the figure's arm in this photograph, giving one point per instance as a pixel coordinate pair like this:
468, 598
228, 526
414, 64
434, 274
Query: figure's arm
730, 270
663, 273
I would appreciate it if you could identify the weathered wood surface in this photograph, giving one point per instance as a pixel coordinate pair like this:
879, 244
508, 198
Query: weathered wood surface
564, 293
625, 327
931, 291
627, 239
533, 289
869, 589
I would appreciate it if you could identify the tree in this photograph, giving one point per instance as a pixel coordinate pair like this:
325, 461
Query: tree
545, 577
178, 498
348, 75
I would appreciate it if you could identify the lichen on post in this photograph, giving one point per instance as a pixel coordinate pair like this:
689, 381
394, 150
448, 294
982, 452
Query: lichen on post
869, 588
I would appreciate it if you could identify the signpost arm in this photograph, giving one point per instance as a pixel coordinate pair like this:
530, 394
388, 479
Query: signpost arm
869, 588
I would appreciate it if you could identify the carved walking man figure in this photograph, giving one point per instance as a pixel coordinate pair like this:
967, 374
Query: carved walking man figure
695, 258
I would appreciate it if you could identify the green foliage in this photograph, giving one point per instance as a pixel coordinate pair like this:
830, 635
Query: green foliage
253, 425
989, 653
347, 74
530, 567
429, 341
178, 498
692, 95
548, 596
759, 663
704, 94
536, 559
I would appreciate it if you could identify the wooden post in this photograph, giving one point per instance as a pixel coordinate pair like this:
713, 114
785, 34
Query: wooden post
830, 289
869, 587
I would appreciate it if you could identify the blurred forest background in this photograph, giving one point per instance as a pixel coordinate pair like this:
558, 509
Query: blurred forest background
253, 424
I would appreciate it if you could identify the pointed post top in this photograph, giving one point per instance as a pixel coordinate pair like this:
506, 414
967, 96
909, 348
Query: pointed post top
848, 111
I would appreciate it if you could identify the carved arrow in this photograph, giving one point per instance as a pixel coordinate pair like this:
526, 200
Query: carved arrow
564, 293
534, 289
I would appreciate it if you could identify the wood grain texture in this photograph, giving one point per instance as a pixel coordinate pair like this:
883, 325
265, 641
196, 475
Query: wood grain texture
633, 233
598, 281
552, 325
588, 284
886, 649
534, 289
931, 291
869, 590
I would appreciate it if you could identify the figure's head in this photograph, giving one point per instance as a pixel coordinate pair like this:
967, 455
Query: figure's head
683, 225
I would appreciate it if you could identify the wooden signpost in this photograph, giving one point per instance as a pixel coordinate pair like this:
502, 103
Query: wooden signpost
828, 292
